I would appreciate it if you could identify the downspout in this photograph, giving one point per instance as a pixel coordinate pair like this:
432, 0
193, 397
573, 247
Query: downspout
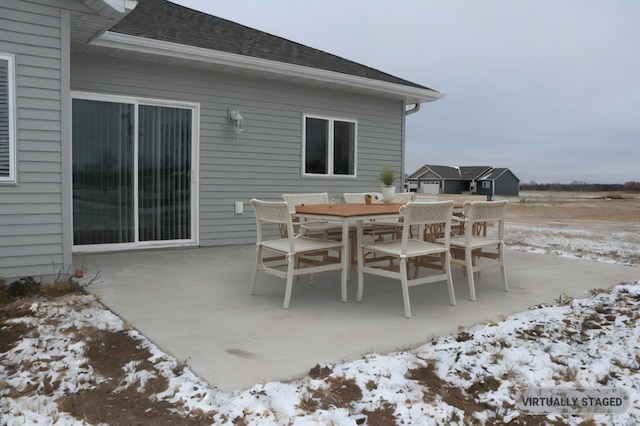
415, 109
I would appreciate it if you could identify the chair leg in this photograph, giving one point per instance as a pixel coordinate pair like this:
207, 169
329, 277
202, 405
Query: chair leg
360, 274
452, 294
476, 259
405, 287
472, 288
287, 291
503, 271
252, 289
416, 268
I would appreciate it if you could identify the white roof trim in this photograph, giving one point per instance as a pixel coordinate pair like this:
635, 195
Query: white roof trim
111, 8
158, 47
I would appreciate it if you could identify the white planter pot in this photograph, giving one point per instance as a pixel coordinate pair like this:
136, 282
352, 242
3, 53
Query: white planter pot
387, 193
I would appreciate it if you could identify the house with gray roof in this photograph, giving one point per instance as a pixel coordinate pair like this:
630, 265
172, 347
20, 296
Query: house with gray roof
498, 181
484, 180
128, 125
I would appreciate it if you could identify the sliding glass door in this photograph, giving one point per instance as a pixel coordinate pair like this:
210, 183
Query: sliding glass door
164, 174
132, 169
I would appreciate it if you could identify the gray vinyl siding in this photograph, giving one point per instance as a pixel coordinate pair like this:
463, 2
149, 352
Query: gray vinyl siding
31, 211
265, 161
507, 184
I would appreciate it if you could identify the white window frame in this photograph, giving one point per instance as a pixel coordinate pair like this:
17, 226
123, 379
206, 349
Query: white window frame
331, 121
12, 177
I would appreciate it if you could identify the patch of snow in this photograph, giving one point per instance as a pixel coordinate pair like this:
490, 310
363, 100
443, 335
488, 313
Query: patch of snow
546, 346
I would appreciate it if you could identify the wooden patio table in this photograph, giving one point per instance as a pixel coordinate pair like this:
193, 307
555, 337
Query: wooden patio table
348, 214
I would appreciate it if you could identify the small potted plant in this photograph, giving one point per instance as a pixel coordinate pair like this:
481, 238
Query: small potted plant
387, 176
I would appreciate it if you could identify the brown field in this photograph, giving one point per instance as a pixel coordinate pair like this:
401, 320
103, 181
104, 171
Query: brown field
613, 211
601, 226
600, 211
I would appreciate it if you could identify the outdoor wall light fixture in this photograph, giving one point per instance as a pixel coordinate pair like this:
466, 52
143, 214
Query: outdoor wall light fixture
235, 118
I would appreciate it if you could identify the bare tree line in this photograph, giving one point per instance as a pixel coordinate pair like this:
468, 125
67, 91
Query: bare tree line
580, 186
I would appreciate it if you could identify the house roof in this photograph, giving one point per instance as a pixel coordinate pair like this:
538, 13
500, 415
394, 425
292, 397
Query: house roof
496, 173
163, 20
473, 172
161, 28
462, 172
421, 171
444, 172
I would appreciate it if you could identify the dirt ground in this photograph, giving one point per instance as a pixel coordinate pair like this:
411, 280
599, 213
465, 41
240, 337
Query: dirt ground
109, 352
612, 211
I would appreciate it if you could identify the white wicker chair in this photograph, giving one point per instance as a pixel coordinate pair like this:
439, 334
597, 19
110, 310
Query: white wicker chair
293, 252
483, 238
403, 197
407, 249
324, 228
393, 227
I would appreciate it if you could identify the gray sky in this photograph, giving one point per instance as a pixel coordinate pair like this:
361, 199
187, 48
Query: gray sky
547, 88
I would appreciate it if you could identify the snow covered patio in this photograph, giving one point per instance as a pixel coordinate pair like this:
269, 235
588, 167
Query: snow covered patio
195, 305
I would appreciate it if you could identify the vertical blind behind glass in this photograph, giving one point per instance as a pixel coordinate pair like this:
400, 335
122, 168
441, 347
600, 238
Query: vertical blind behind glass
103, 149
164, 166
104, 188
5, 126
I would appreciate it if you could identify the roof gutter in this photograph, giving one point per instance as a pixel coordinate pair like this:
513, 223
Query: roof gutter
157, 47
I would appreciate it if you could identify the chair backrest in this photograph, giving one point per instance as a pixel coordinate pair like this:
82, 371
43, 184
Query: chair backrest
426, 198
403, 197
488, 212
294, 200
425, 214
272, 212
358, 197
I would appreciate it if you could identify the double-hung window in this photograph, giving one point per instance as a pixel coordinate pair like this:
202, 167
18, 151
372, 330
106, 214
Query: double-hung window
329, 146
7, 126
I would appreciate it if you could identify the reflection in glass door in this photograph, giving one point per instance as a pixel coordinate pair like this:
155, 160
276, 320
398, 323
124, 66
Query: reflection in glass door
164, 166
131, 173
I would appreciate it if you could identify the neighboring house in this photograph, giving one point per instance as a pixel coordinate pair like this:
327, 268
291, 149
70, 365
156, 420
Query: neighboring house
499, 181
432, 179
470, 175
128, 125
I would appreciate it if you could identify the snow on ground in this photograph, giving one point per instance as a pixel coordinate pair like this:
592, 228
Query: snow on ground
612, 247
586, 343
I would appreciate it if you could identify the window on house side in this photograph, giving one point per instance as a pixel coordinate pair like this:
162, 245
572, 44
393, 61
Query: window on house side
329, 146
7, 126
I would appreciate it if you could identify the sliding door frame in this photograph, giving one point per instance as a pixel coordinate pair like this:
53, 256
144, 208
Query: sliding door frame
193, 174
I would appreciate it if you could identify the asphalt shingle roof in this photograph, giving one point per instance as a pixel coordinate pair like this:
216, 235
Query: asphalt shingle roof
494, 174
166, 21
446, 172
473, 172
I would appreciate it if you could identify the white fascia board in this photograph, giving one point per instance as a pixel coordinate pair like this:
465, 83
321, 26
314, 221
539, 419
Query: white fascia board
164, 48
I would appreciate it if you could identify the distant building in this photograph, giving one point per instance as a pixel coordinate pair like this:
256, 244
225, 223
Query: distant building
482, 180
499, 181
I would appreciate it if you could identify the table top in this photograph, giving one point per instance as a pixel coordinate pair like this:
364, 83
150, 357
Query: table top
350, 210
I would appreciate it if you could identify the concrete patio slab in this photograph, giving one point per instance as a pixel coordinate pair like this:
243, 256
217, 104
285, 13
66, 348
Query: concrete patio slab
195, 305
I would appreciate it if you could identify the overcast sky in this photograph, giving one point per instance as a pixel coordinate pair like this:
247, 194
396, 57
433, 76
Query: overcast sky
548, 88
